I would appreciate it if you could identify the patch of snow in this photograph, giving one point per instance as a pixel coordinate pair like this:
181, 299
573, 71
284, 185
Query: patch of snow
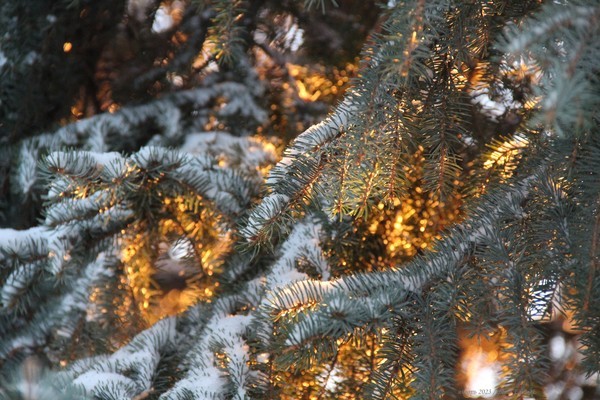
89, 381
11, 237
268, 209
31, 58
162, 20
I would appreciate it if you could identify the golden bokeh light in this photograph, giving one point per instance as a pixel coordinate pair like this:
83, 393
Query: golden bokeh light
317, 85
410, 224
166, 276
505, 154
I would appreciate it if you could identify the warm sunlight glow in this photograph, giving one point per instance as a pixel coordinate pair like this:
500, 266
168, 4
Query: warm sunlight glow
171, 268
313, 85
411, 223
480, 370
505, 155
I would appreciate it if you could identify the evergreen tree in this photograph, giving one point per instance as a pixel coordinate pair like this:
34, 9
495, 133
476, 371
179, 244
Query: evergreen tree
452, 193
